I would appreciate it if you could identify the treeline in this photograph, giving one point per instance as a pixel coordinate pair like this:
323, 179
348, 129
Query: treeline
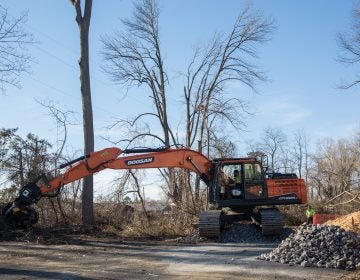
22, 160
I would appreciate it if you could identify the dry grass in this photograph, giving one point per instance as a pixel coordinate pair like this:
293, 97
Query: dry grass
160, 225
294, 215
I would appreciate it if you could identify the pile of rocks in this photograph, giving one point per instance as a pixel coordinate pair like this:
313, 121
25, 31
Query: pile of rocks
318, 246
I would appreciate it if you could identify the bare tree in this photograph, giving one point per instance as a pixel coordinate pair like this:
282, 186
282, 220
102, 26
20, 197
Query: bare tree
134, 57
13, 41
272, 143
62, 120
350, 47
83, 21
336, 168
226, 60
129, 182
301, 155
286, 161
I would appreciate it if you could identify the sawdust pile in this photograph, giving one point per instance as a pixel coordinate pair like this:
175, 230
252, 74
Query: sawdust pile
348, 222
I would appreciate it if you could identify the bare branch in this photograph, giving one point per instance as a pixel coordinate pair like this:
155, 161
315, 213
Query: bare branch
13, 41
350, 45
62, 121
134, 57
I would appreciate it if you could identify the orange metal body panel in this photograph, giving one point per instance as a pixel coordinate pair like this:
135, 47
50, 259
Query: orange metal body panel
285, 186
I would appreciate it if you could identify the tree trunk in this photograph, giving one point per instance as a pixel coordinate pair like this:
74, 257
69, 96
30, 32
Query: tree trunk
84, 24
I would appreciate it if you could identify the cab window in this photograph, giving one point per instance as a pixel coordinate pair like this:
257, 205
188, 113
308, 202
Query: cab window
252, 171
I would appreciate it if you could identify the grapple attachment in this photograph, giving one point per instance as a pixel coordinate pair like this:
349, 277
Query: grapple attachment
20, 217
19, 213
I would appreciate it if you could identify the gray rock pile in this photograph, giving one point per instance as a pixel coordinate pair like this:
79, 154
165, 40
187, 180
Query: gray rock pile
318, 246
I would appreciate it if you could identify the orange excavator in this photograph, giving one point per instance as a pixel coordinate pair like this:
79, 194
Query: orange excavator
252, 196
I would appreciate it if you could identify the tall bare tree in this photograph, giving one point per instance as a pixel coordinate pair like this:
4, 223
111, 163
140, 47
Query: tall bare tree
272, 144
83, 21
13, 40
134, 57
226, 60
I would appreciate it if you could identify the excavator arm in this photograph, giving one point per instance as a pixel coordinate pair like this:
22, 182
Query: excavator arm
112, 158
20, 212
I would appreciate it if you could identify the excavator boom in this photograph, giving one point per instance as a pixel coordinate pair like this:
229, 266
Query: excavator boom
112, 158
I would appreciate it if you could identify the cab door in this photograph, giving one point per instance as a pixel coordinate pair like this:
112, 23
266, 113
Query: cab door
254, 182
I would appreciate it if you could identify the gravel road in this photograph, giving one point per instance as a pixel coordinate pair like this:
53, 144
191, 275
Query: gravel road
95, 258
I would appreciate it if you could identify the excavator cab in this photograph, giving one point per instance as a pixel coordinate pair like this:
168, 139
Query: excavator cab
237, 181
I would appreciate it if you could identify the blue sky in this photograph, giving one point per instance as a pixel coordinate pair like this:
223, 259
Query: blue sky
300, 62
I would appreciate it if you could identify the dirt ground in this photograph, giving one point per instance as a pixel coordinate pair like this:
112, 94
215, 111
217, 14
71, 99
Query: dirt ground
89, 257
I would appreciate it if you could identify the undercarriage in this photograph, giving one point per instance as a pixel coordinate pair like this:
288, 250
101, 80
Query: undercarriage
212, 222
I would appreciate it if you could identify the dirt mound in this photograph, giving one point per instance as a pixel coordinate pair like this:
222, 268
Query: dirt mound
347, 222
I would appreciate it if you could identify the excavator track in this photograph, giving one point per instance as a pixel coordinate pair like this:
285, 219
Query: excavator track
271, 221
210, 223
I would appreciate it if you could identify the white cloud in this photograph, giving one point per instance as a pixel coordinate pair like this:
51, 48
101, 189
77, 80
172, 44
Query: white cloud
351, 128
284, 111
337, 130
